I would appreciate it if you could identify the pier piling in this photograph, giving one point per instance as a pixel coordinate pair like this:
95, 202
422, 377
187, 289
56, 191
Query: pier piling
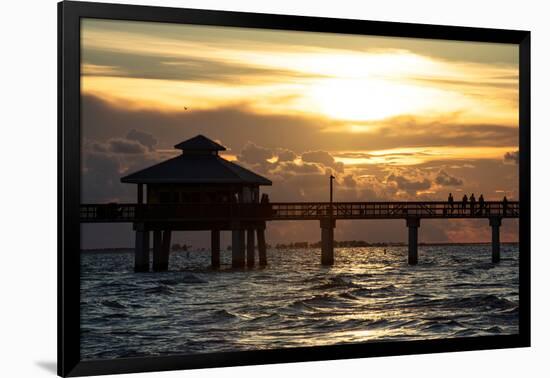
141, 252
215, 248
237, 248
495, 223
413, 224
261, 246
165, 250
327, 241
157, 250
250, 247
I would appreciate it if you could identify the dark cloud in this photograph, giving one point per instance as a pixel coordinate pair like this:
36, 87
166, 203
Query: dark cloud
254, 154
445, 179
285, 155
511, 157
324, 158
104, 163
414, 132
309, 185
349, 181
102, 120
125, 146
291, 168
188, 68
237, 38
409, 185
354, 155
503, 82
116, 146
100, 179
145, 139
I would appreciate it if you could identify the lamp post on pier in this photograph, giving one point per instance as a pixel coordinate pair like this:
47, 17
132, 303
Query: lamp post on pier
331, 192
327, 232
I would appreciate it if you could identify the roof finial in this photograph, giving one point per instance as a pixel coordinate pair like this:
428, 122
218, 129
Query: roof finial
199, 143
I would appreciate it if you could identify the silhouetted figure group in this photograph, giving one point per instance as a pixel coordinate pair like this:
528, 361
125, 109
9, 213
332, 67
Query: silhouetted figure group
476, 206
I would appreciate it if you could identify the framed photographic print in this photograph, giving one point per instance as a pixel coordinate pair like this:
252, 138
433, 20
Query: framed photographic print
239, 188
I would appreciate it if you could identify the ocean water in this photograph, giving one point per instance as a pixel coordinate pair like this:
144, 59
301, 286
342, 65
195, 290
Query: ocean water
370, 294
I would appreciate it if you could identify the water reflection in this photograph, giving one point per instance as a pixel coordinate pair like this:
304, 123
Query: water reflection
367, 295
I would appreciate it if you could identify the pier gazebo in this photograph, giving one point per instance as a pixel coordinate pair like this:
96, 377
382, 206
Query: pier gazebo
199, 175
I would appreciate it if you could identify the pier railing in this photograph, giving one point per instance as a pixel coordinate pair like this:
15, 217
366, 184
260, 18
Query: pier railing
115, 212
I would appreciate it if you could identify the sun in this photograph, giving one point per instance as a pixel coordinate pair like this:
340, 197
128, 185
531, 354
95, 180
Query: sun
366, 99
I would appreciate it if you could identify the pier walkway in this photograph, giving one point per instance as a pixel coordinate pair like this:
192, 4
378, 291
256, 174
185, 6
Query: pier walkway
161, 219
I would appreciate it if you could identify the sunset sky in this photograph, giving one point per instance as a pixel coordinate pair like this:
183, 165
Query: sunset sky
391, 118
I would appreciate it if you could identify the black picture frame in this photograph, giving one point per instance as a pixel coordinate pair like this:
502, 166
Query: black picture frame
69, 15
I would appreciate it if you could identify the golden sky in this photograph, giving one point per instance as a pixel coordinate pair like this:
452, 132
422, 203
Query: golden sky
393, 118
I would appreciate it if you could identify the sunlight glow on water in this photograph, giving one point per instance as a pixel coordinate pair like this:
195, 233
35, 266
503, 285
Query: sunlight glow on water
368, 295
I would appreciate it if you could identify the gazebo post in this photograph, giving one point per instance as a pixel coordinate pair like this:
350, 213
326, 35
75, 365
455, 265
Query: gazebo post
165, 250
237, 248
215, 248
261, 245
141, 251
250, 247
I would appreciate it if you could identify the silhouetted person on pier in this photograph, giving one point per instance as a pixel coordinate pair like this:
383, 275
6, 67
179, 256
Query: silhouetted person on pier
481, 204
472, 204
464, 203
451, 201
504, 205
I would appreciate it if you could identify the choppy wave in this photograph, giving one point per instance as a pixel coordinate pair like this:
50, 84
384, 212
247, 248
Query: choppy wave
368, 295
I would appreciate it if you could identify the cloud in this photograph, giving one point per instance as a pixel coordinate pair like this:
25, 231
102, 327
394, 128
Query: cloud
254, 154
145, 139
285, 155
445, 179
125, 146
117, 146
409, 185
102, 119
349, 181
512, 157
135, 143
99, 179
106, 62
111, 145
291, 168
324, 158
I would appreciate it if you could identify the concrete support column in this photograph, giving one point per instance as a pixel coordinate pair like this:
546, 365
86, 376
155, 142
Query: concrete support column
237, 247
165, 250
157, 250
495, 224
215, 248
250, 247
141, 252
327, 241
261, 246
413, 224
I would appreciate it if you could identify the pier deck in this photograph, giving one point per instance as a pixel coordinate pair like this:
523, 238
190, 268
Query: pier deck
281, 211
251, 218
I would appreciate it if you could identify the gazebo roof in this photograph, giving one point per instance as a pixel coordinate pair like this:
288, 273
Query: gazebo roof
196, 168
199, 143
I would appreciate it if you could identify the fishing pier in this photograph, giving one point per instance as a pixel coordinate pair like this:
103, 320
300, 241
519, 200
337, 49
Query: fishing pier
199, 190
251, 219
